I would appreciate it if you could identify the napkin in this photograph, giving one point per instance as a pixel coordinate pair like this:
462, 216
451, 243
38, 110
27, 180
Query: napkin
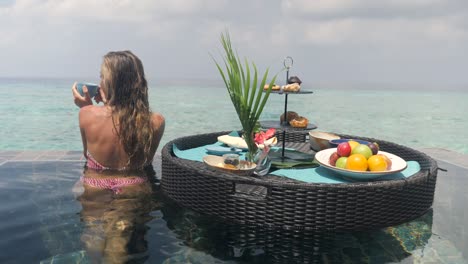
238, 142
233, 141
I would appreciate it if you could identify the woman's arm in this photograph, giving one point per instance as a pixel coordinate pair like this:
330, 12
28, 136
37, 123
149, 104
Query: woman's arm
84, 116
159, 124
84, 102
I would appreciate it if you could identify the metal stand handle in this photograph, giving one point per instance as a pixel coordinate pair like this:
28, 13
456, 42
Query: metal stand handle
288, 63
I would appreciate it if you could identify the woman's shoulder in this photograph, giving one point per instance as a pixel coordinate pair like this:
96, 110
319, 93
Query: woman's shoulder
158, 120
157, 117
90, 112
90, 109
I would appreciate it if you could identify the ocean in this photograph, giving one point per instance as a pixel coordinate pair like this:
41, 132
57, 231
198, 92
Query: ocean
39, 114
46, 218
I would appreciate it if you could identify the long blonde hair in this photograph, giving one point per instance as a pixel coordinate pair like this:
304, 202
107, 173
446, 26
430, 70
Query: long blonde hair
126, 89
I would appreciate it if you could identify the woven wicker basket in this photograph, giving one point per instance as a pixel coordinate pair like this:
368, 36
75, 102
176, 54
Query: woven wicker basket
272, 201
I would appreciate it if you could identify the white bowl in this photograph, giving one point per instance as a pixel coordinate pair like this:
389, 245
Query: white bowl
321, 140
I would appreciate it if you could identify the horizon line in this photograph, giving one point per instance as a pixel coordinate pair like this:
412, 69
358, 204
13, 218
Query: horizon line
322, 84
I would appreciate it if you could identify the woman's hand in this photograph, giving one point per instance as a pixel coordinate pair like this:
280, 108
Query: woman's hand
100, 96
80, 100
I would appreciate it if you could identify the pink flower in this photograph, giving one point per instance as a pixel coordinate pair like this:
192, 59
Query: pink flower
261, 136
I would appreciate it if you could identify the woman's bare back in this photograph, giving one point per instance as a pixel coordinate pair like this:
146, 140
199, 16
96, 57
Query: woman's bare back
101, 140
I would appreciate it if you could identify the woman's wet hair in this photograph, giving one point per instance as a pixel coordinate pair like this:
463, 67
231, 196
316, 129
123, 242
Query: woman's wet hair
126, 89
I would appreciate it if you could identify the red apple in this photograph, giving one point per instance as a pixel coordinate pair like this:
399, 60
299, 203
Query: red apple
333, 157
344, 149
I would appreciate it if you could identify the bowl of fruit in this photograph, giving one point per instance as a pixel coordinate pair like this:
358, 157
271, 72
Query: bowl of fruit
360, 161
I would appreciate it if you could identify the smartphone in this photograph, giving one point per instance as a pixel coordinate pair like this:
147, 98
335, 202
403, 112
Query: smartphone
92, 88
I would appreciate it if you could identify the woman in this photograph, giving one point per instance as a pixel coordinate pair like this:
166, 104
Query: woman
119, 139
123, 134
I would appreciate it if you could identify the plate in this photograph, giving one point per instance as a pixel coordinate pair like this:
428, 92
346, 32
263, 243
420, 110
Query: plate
219, 150
245, 167
398, 164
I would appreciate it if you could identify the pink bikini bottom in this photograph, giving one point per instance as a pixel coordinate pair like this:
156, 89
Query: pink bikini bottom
114, 184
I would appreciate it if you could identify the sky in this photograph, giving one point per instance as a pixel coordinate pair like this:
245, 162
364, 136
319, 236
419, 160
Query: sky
386, 42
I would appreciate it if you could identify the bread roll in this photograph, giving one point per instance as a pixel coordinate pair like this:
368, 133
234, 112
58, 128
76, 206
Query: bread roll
290, 116
299, 122
294, 87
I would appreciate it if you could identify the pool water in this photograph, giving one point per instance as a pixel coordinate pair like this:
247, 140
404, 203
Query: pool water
45, 218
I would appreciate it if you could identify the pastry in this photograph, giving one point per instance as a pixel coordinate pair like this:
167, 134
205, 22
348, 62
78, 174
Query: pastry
294, 79
290, 114
293, 87
274, 87
299, 122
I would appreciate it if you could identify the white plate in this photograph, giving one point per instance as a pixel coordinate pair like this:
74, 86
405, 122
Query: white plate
245, 167
398, 164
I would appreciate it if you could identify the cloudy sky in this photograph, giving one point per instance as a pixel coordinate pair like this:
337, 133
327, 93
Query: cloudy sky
420, 42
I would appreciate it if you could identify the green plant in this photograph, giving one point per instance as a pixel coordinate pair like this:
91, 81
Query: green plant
245, 91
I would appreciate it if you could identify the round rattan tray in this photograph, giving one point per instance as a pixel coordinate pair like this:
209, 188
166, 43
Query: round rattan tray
272, 201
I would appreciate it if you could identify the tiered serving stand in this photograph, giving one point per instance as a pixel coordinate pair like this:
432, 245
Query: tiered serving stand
286, 131
276, 202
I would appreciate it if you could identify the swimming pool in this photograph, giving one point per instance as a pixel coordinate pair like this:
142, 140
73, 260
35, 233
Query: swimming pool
44, 218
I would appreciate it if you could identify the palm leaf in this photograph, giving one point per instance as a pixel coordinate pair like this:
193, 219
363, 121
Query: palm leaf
247, 96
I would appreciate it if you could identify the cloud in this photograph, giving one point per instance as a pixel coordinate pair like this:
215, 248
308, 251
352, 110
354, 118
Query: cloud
390, 32
175, 38
370, 8
325, 22
113, 10
160, 19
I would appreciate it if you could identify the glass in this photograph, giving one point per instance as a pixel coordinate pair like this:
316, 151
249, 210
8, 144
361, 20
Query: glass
263, 162
231, 160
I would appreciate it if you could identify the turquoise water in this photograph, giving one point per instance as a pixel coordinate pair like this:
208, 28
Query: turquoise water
43, 221
39, 114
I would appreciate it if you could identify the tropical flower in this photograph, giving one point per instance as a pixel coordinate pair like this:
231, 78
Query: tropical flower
261, 136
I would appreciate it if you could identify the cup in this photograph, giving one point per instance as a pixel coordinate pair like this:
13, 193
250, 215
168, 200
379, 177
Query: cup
92, 88
231, 160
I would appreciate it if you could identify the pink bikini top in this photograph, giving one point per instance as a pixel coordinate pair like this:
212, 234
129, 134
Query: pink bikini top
91, 163
112, 183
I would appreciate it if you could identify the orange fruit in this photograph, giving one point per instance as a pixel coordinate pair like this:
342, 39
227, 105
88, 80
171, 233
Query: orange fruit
353, 144
388, 160
357, 162
377, 163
